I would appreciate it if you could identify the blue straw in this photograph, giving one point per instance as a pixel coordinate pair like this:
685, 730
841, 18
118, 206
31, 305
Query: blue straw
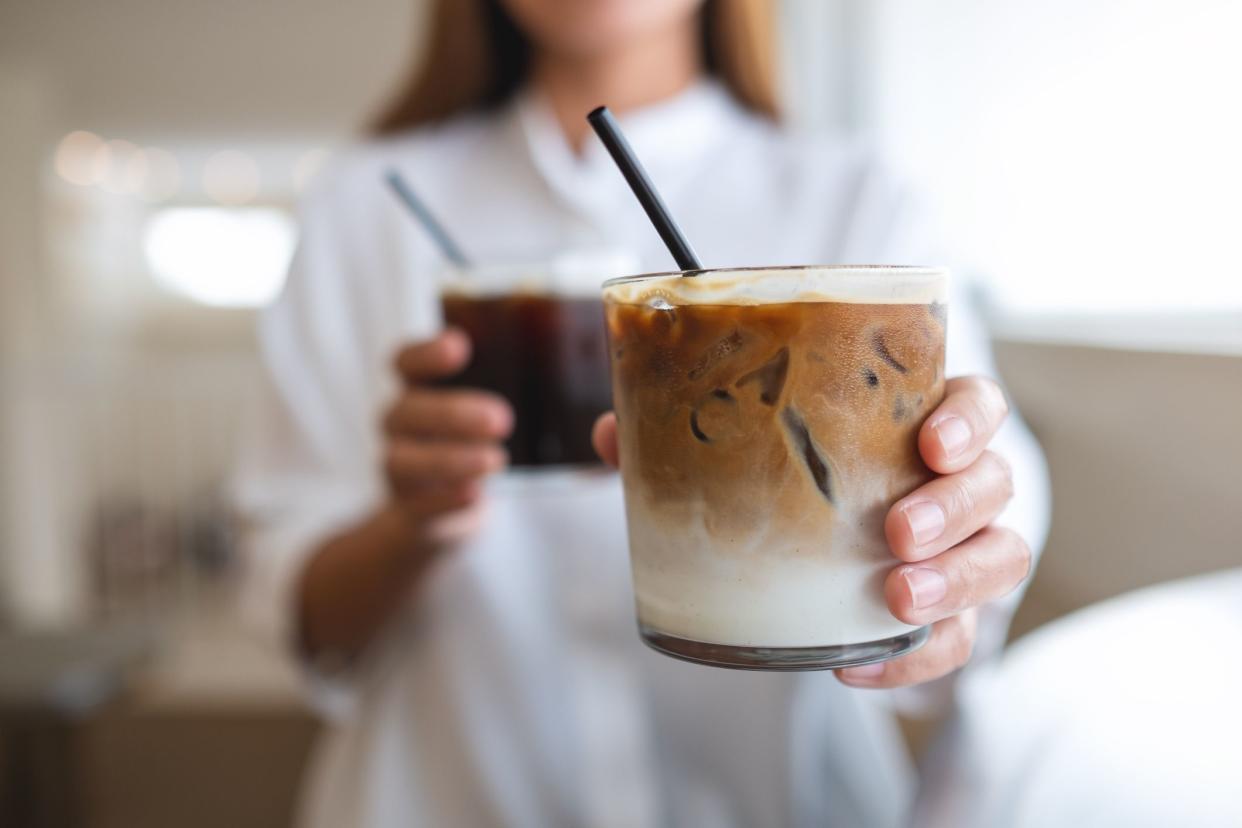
424, 217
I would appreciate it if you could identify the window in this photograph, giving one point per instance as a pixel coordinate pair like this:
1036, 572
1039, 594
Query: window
1087, 155
224, 256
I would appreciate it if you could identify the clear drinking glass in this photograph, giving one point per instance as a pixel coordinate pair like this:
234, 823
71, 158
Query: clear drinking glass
537, 331
768, 418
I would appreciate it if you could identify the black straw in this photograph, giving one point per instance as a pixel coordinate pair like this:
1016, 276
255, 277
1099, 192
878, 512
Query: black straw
609, 132
420, 212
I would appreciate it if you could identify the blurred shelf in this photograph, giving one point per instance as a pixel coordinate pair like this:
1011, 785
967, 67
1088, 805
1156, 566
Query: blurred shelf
208, 658
68, 672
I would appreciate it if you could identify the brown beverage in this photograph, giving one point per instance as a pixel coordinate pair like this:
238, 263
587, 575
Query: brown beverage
768, 420
546, 355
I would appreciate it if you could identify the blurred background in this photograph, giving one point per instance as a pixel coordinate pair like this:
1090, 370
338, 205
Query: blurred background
1083, 156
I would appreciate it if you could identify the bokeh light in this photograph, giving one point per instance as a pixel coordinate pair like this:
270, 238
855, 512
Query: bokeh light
134, 172
163, 178
119, 155
81, 158
307, 166
231, 177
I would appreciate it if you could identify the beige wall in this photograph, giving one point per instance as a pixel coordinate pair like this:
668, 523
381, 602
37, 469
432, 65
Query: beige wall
1145, 451
94, 397
225, 67
47, 574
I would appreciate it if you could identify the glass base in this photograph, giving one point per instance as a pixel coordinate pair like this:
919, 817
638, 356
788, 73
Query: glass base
784, 659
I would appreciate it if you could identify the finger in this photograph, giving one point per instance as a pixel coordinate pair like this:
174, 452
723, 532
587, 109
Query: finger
947, 649
429, 501
604, 438
961, 427
949, 509
411, 464
442, 356
985, 567
464, 415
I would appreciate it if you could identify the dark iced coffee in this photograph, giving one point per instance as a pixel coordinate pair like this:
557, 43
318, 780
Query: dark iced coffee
546, 354
768, 419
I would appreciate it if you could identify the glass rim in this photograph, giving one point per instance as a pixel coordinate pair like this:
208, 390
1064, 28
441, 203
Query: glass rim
877, 269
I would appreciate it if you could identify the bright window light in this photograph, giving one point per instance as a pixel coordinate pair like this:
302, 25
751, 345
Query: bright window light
222, 256
1086, 155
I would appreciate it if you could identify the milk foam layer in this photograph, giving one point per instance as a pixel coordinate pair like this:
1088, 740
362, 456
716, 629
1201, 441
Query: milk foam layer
765, 429
872, 285
571, 274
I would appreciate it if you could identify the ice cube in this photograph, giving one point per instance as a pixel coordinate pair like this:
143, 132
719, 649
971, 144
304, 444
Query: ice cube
770, 376
811, 456
721, 350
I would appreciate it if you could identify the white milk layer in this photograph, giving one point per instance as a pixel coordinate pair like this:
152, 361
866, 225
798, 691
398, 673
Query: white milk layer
770, 589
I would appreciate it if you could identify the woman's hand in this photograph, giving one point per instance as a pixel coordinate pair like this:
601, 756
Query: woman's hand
954, 559
441, 443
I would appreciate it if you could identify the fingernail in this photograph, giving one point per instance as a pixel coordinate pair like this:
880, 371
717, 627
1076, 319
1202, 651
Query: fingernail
863, 672
927, 586
954, 436
926, 520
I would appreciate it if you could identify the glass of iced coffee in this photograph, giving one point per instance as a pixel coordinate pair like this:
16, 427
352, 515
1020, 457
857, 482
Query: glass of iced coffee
537, 332
767, 420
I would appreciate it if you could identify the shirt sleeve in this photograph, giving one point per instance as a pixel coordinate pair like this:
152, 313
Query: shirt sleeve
889, 224
308, 461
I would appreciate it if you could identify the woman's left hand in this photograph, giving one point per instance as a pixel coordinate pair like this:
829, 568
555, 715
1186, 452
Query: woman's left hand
954, 559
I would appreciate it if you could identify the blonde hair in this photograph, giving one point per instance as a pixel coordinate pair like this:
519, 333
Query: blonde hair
477, 57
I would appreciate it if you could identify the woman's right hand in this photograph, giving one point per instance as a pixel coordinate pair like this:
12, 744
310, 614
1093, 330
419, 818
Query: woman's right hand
441, 442
439, 445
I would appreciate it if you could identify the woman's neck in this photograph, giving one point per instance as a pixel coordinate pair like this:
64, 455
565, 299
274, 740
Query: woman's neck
628, 77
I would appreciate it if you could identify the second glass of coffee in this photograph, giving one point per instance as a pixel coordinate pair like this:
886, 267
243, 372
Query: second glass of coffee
537, 336
768, 419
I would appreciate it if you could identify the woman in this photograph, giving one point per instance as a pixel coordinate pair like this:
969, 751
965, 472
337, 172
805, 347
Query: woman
478, 642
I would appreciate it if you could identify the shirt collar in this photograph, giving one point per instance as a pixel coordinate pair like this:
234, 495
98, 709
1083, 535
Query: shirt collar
667, 136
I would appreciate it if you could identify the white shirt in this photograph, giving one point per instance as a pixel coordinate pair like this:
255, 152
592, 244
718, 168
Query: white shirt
515, 690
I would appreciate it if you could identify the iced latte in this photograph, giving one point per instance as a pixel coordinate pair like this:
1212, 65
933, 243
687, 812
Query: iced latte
768, 419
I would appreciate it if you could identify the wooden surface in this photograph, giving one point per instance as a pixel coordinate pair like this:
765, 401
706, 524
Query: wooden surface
192, 768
